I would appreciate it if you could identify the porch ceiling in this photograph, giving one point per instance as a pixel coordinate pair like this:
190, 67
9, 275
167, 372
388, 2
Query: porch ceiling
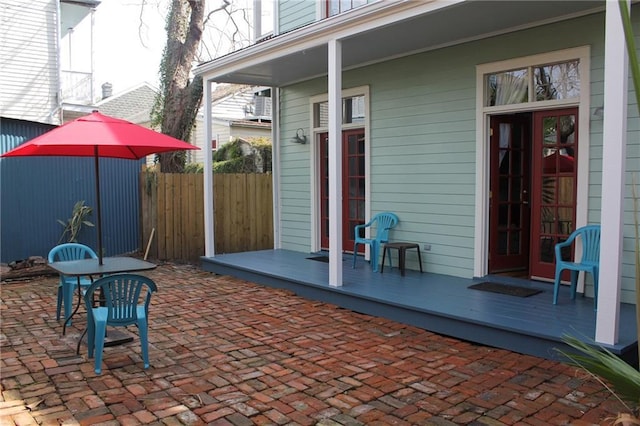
381, 31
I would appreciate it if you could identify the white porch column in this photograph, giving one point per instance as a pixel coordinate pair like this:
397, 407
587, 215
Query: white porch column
616, 64
335, 163
209, 241
275, 165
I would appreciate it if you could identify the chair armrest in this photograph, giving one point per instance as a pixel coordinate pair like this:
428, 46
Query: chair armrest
359, 227
563, 244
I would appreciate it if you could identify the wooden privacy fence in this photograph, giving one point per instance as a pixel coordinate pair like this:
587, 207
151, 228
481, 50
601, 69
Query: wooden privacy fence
173, 206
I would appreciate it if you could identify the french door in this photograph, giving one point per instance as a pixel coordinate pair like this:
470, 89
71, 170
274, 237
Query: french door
532, 190
353, 186
555, 144
509, 193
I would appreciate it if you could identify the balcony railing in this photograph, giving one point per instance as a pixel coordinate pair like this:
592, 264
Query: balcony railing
77, 87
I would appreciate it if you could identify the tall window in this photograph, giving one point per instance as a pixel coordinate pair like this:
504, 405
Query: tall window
335, 7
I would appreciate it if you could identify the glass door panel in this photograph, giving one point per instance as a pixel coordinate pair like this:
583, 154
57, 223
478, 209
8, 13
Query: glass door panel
554, 186
509, 206
353, 186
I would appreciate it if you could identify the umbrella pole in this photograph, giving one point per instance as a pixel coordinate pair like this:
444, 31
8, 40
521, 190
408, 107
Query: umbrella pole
98, 206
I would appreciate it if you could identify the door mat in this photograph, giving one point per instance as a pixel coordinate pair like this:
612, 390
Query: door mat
324, 259
510, 290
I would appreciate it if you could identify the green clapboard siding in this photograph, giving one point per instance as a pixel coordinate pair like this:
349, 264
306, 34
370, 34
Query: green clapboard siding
295, 13
423, 142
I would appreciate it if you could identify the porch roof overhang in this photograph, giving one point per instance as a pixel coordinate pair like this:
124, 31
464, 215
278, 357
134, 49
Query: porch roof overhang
381, 31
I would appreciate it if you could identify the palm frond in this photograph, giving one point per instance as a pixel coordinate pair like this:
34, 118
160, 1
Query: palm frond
624, 380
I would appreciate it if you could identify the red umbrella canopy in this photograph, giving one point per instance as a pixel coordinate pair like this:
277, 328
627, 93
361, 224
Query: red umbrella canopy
558, 163
113, 138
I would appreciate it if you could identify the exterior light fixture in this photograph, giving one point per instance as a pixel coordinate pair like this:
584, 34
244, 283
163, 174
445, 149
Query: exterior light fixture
299, 137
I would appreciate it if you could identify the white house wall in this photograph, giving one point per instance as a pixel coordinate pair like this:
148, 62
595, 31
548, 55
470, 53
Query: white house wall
423, 145
29, 73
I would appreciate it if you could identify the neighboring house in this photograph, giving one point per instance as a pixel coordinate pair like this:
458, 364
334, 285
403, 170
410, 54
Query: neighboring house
133, 104
237, 111
33, 82
457, 115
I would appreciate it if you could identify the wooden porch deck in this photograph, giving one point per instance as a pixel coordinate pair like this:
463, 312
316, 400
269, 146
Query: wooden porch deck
438, 303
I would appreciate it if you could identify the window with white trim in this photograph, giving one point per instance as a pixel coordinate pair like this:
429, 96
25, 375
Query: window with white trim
353, 112
335, 7
557, 81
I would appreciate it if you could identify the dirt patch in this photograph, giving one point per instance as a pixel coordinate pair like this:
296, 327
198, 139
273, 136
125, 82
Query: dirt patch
19, 270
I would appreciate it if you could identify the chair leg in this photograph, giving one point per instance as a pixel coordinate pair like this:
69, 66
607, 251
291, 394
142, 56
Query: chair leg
355, 254
374, 257
100, 330
142, 330
595, 288
384, 256
556, 286
574, 283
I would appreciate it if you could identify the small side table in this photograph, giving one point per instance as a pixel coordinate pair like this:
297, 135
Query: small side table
402, 250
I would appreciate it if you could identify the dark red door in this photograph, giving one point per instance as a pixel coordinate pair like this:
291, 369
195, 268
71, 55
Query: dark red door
353, 186
555, 144
509, 212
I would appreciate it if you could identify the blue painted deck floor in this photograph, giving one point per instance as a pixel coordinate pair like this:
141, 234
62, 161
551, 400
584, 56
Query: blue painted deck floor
438, 303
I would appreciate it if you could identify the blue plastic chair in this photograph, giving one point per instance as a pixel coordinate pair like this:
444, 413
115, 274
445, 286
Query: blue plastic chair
124, 300
590, 262
384, 222
67, 285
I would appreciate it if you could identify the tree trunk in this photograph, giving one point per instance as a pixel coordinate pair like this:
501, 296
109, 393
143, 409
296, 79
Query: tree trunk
180, 98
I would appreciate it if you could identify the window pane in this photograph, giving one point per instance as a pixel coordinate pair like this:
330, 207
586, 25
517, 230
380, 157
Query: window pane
321, 114
353, 110
506, 88
514, 242
550, 134
333, 7
567, 129
557, 81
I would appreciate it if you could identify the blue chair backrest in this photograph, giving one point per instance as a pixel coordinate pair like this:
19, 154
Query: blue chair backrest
121, 296
590, 236
384, 222
71, 251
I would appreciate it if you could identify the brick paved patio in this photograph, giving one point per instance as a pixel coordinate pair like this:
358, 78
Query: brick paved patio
228, 352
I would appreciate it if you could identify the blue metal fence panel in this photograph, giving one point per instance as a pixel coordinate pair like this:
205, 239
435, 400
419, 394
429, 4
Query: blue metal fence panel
37, 191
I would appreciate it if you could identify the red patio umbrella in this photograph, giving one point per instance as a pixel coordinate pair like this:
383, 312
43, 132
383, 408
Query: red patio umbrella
97, 135
558, 163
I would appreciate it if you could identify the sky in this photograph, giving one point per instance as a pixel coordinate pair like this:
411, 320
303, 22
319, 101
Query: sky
128, 42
